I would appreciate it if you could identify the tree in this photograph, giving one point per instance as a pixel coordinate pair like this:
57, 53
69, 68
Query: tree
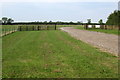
79, 22
100, 21
114, 18
45, 22
89, 21
50, 21
4, 19
9, 21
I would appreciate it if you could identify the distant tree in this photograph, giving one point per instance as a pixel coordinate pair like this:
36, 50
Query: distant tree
4, 20
50, 21
100, 21
114, 18
9, 21
79, 22
71, 22
45, 22
89, 21
58, 22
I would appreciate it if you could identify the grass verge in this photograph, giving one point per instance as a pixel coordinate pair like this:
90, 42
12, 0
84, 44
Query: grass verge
54, 54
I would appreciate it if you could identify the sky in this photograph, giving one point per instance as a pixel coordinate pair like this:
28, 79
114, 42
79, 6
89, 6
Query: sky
57, 10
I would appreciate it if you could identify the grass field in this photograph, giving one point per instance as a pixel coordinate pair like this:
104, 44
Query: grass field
54, 54
100, 30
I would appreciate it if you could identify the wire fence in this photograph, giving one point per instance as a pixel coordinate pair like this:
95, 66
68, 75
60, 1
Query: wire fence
8, 29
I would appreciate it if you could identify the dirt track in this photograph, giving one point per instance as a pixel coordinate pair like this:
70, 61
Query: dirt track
106, 42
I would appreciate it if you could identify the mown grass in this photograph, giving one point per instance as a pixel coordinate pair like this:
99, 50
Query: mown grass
101, 30
54, 54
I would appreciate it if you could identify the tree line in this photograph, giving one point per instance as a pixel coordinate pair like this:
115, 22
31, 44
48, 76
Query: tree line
113, 19
6, 21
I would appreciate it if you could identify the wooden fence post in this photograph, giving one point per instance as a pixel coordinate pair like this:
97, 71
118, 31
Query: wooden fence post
38, 28
55, 26
33, 28
47, 27
105, 27
86, 26
26, 28
19, 28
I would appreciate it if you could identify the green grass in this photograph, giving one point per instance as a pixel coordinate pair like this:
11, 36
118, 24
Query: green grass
54, 54
100, 30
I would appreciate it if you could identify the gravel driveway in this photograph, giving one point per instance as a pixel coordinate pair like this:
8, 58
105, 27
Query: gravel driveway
103, 41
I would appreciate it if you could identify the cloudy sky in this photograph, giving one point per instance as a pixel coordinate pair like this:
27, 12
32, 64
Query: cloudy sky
57, 10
